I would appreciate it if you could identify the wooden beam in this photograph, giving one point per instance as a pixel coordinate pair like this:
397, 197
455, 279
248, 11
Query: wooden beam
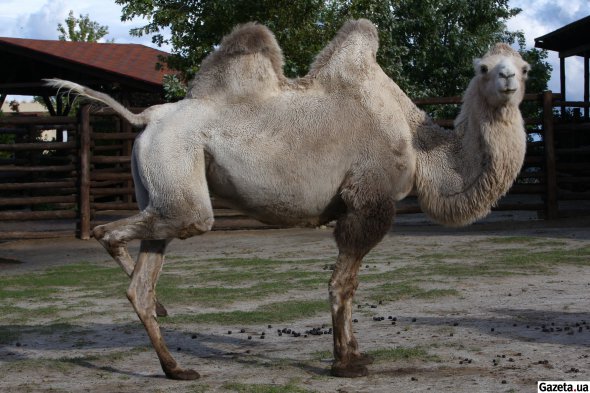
37, 121
85, 172
551, 204
59, 104
49, 105
586, 85
562, 79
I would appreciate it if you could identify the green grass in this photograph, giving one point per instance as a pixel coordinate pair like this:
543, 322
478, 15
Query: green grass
218, 291
9, 335
48, 284
526, 241
461, 262
421, 274
402, 353
404, 290
268, 313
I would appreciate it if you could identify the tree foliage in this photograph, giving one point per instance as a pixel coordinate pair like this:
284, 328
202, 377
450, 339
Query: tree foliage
81, 29
196, 26
434, 42
426, 46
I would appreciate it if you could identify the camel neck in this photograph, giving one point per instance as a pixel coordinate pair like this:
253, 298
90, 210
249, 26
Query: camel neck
461, 173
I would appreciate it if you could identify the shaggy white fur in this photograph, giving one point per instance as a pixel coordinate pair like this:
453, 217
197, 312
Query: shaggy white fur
341, 143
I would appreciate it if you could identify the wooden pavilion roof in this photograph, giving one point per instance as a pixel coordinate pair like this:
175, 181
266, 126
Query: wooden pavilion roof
569, 40
129, 67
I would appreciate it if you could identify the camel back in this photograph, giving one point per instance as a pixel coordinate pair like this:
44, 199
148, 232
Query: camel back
249, 62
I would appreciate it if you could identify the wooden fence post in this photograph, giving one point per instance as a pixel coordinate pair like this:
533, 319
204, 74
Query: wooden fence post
84, 176
127, 150
551, 203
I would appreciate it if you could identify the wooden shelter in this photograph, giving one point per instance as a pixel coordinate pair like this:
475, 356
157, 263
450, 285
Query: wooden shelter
127, 71
570, 148
570, 40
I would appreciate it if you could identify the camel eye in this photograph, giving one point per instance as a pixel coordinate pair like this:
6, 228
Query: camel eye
483, 69
525, 70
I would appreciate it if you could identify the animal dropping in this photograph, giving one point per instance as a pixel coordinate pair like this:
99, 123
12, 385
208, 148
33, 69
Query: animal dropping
342, 143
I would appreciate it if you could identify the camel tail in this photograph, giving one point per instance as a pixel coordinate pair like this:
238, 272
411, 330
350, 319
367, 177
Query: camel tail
139, 119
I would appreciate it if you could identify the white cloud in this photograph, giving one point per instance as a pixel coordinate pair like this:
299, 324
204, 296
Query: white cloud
574, 78
38, 19
42, 24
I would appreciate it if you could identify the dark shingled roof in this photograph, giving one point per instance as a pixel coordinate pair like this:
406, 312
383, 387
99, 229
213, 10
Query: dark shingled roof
570, 40
26, 61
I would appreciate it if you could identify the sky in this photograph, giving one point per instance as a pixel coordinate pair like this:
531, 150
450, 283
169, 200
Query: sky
38, 19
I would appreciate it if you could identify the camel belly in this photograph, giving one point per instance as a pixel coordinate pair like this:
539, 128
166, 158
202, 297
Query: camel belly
275, 197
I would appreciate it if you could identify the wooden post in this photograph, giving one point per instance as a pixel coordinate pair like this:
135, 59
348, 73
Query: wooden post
586, 86
84, 176
550, 168
127, 151
562, 81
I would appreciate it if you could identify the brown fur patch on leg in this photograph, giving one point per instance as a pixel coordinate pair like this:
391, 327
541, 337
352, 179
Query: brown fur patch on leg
356, 233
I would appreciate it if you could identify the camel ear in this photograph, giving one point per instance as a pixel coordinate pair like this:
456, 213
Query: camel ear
525, 70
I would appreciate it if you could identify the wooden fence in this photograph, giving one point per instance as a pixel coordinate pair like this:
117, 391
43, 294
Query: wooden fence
38, 177
82, 177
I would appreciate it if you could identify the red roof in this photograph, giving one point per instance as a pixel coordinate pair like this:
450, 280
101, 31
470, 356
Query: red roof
130, 60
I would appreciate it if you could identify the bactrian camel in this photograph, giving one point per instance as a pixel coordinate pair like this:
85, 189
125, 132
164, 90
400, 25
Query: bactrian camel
342, 143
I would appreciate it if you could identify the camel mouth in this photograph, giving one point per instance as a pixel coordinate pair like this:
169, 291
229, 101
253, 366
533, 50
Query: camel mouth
508, 91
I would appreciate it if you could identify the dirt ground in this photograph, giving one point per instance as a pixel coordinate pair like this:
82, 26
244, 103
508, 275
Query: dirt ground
497, 333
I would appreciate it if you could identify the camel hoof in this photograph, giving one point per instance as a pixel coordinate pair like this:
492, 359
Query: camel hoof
161, 310
183, 375
362, 360
352, 370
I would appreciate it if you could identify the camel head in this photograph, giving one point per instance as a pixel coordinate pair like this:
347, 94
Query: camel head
501, 74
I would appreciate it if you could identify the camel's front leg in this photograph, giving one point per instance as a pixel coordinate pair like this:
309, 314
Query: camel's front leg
364, 224
141, 295
349, 362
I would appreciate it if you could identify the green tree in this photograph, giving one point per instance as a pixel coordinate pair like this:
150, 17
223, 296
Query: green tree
196, 26
81, 29
78, 30
433, 42
426, 46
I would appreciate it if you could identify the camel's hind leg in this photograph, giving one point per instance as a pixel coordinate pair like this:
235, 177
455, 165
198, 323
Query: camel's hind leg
141, 295
141, 292
182, 210
357, 232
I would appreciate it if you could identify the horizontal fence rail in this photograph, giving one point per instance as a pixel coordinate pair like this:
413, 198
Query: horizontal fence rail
82, 176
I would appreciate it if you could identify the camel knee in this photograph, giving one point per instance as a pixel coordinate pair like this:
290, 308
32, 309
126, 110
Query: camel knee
99, 232
196, 228
108, 238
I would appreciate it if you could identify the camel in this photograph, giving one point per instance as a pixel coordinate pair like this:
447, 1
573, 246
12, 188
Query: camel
342, 143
